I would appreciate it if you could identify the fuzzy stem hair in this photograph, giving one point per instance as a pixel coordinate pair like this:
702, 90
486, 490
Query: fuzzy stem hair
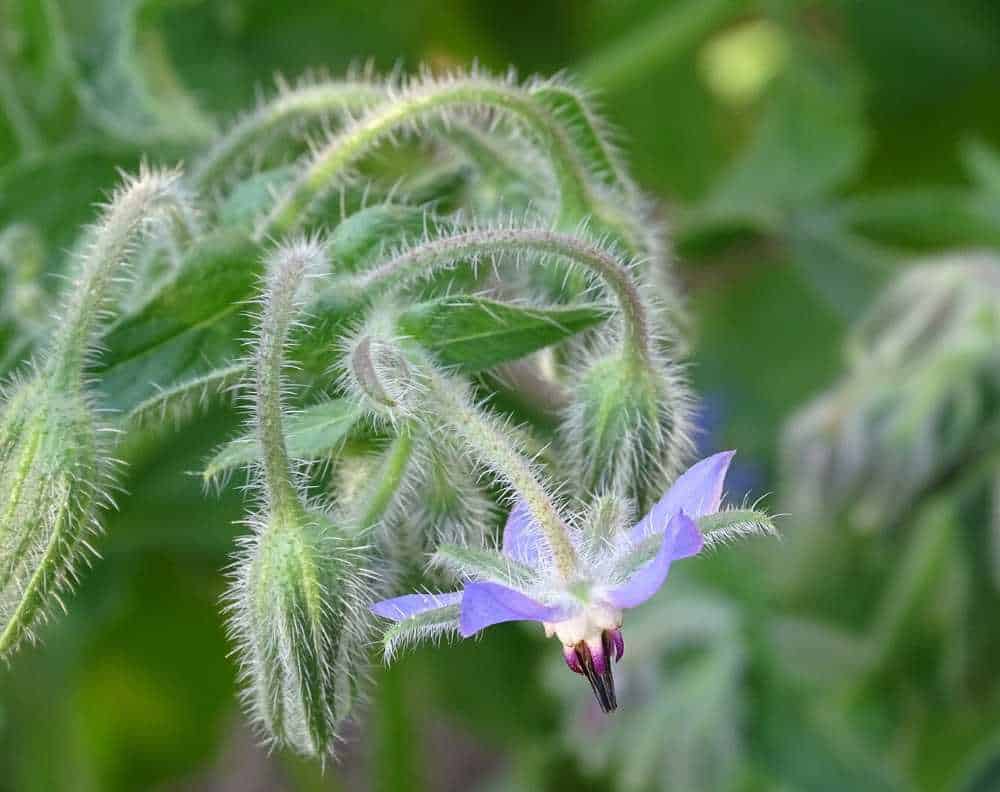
487, 441
137, 204
449, 251
286, 269
413, 105
311, 100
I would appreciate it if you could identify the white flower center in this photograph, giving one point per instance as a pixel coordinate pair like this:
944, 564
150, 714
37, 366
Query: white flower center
588, 625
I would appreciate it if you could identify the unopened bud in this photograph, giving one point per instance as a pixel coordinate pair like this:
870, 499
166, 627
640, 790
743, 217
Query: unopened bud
379, 375
49, 477
627, 427
298, 614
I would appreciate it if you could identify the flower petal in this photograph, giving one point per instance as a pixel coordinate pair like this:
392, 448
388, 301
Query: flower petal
485, 604
404, 607
697, 492
521, 538
681, 539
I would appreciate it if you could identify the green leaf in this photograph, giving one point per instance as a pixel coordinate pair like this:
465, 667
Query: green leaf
252, 197
359, 238
477, 333
927, 217
310, 434
192, 324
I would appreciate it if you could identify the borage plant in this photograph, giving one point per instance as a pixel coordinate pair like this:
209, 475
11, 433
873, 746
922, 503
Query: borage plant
463, 303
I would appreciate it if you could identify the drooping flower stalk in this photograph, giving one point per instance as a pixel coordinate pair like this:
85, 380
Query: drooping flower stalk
53, 469
298, 589
629, 423
416, 104
474, 245
304, 102
142, 201
398, 384
493, 448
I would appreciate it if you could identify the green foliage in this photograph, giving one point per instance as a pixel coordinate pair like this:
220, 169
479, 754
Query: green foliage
477, 333
856, 653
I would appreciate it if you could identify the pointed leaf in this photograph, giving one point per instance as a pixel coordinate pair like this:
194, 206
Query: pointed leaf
193, 323
477, 333
310, 434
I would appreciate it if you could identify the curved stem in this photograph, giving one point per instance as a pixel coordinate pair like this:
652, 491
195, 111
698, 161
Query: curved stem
451, 251
493, 448
131, 209
285, 272
335, 159
309, 101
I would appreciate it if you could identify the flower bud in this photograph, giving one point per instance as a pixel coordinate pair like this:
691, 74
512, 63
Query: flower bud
627, 426
920, 393
378, 374
49, 470
298, 613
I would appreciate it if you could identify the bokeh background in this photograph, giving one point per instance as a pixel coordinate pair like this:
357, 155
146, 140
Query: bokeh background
803, 153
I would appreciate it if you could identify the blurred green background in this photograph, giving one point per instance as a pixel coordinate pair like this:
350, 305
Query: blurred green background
801, 152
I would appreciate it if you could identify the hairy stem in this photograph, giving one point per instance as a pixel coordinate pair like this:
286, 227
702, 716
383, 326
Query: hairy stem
137, 203
450, 251
286, 271
335, 160
291, 105
491, 445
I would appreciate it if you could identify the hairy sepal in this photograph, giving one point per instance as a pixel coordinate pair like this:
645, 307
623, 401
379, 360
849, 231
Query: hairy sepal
628, 426
298, 613
51, 479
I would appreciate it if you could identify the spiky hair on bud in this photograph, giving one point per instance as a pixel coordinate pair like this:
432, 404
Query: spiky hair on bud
375, 372
628, 428
54, 475
55, 471
300, 583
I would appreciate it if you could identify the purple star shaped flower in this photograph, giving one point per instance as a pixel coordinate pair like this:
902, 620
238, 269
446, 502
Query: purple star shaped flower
615, 571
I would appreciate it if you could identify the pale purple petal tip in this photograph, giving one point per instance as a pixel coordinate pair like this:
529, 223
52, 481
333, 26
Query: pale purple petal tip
681, 539
485, 604
404, 607
697, 492
521, 539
